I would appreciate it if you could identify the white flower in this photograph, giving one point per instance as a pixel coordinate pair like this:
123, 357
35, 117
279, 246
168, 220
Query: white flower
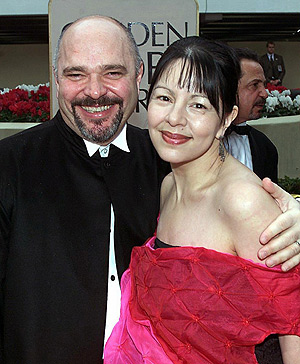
296, 102
27, 88
285, 101
4, 91
275, 93
33, 88
271, 103
281, 104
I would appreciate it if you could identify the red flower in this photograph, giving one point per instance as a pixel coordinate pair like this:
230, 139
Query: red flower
271, 87
19, 105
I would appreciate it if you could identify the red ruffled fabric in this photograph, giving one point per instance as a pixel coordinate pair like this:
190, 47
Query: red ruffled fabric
194, 305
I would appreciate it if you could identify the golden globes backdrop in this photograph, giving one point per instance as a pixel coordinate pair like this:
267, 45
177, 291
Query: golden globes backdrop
155, 24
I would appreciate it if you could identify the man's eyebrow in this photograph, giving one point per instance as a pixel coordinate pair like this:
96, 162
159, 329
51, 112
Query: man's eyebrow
256, 80
73, 69
114, 67
105, 68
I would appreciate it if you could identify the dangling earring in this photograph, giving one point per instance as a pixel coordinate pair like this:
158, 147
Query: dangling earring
222, 152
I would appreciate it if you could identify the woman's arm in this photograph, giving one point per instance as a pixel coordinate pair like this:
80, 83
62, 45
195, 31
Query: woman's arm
290, 349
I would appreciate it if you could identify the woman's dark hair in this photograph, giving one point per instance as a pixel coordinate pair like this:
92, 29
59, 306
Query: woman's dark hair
208, 66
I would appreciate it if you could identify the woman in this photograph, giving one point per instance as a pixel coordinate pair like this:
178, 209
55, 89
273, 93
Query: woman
207, 298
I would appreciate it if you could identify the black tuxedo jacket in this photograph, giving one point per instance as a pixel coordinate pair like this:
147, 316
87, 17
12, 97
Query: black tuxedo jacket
54, 237
275, 70
265, 164
264, 155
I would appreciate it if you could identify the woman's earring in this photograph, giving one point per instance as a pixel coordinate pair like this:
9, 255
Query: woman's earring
222, 152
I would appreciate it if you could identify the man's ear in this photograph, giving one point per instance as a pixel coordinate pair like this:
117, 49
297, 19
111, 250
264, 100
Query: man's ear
140, 75
56, 80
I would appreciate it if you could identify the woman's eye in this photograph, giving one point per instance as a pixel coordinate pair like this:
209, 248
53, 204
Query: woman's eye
163, 98
198, 106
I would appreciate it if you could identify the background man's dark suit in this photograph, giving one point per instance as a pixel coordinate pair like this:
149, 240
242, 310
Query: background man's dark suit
273, 71
265, 164
264, 155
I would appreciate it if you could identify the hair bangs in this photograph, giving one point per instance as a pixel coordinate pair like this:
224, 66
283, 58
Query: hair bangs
199, 75
207, 66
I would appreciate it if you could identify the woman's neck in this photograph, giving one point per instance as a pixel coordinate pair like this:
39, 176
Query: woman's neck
196, 175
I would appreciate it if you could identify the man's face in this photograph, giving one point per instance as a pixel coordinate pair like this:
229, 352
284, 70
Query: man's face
251, 91
97, 87
271, 48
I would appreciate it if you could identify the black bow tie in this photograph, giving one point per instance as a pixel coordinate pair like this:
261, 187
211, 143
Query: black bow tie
241, 130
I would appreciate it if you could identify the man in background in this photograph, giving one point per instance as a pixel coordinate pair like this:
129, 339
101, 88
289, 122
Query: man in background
272, 65
247, 144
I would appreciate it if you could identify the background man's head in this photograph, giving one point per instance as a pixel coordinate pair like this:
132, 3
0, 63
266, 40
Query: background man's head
97, 73
251, 90
270, 47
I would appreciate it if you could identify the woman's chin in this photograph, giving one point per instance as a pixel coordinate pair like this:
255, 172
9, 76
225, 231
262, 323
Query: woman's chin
172, 157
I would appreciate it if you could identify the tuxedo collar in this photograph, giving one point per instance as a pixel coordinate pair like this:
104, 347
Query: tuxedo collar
241, 129
120, 142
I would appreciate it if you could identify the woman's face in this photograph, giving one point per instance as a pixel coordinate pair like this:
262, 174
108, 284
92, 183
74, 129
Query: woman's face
183, 124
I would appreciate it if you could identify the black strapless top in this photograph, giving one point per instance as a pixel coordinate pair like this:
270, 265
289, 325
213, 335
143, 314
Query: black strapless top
161, 244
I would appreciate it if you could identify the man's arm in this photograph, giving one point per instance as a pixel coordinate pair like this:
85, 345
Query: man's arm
283, 69
279, 238
4, 234
263, 62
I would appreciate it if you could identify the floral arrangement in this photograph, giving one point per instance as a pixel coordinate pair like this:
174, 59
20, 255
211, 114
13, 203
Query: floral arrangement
25, 103
280, 103
279, 88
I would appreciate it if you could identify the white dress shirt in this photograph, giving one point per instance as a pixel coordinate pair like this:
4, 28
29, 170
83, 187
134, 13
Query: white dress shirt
113, 288
239, 147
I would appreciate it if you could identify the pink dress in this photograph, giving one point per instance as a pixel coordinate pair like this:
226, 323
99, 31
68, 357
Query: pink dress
194, 305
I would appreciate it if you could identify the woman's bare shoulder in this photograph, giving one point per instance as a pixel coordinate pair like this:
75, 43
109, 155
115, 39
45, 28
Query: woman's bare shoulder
248, 210
244, 196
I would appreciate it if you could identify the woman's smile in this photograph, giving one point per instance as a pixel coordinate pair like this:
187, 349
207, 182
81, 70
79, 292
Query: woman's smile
174, 138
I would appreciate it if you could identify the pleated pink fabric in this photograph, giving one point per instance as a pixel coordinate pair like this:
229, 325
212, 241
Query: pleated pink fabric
194, 305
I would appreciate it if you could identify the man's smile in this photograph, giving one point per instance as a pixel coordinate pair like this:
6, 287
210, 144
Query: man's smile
95, 109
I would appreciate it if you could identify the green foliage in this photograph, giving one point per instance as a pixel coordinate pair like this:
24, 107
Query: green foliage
291, 185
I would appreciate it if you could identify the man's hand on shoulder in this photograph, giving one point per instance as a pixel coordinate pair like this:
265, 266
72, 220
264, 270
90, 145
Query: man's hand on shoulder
281, 239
